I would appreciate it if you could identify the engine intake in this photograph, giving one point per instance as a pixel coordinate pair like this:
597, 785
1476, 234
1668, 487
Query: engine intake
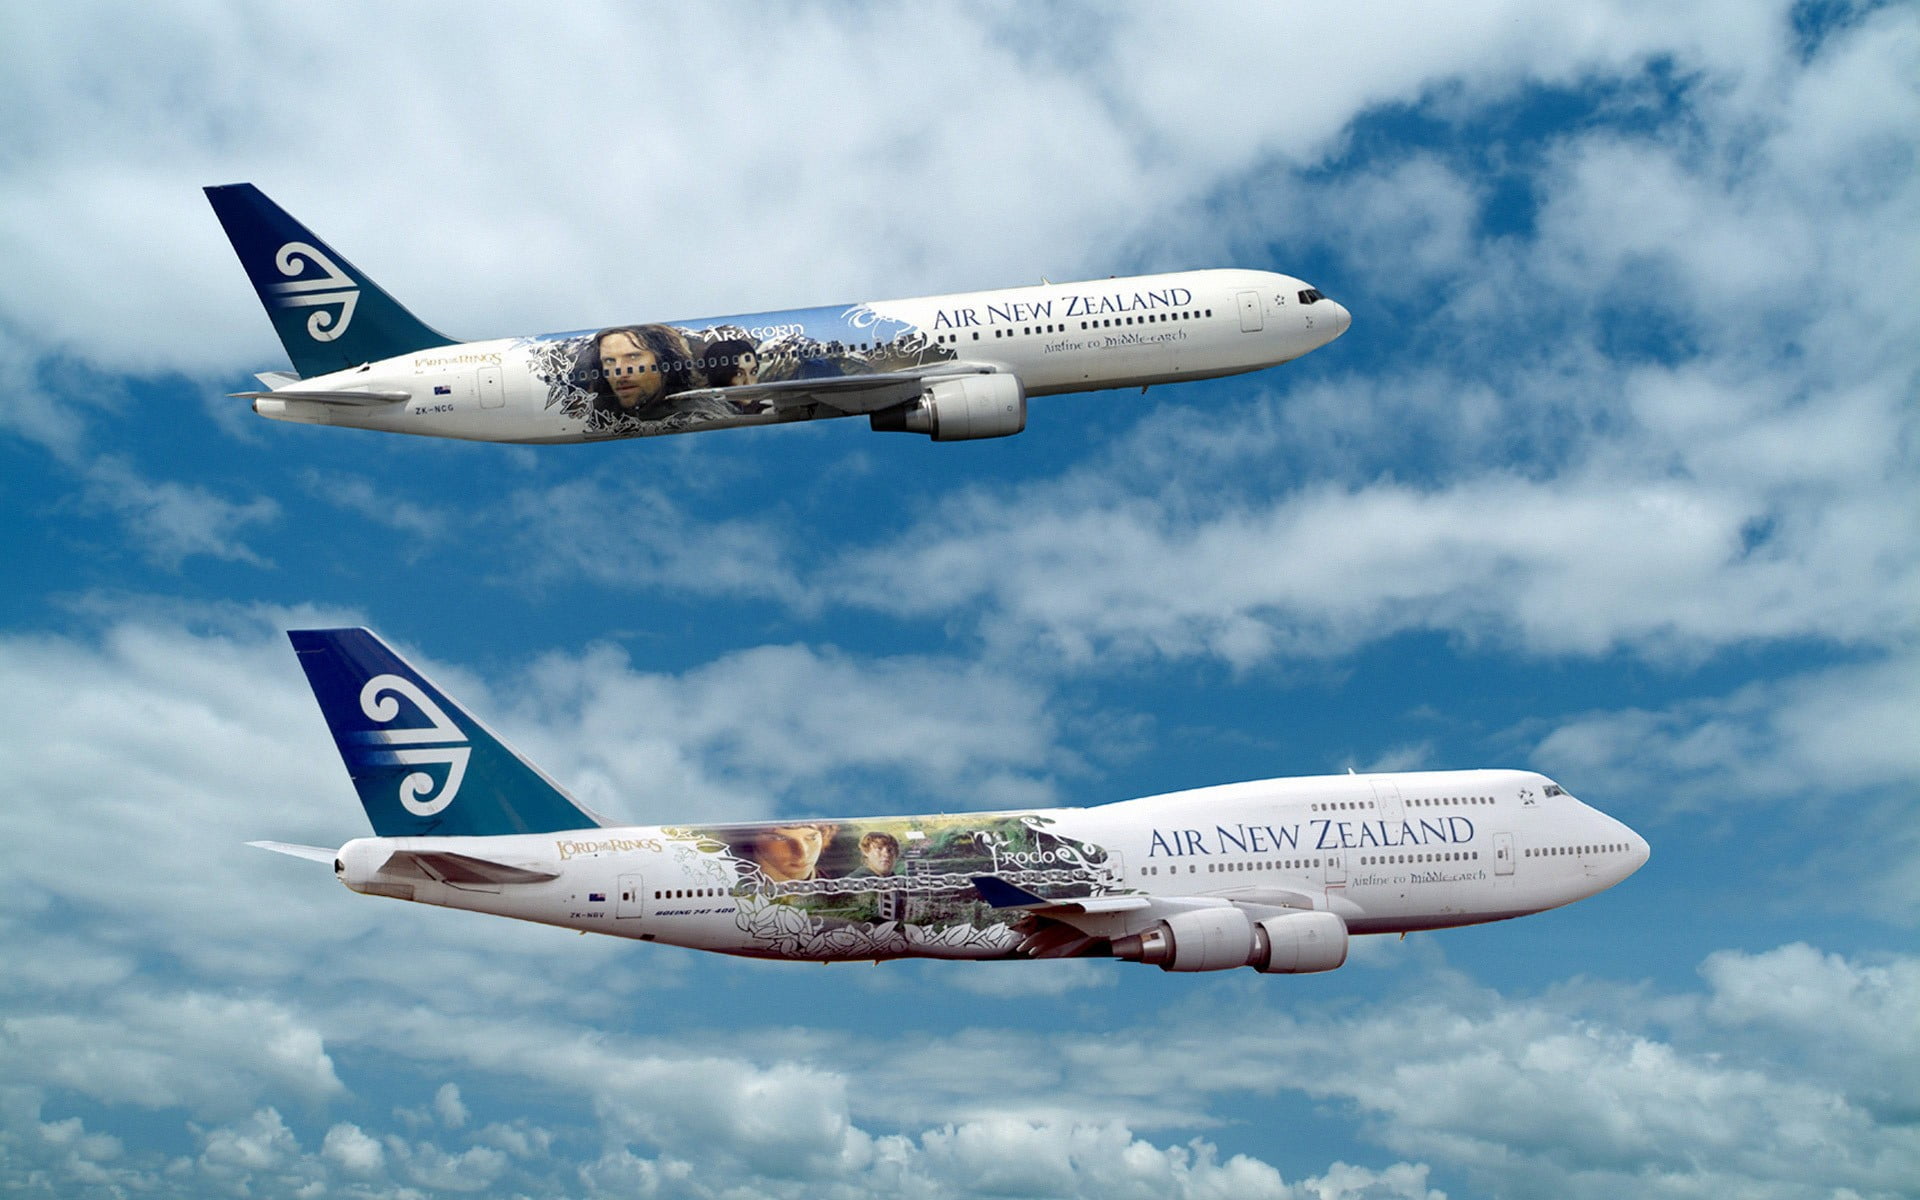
1217, 939
960, 409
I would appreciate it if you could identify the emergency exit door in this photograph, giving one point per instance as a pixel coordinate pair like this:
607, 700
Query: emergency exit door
627, 898
1250, 321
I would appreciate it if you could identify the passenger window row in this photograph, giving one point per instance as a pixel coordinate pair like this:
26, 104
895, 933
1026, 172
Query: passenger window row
1557, 851
948, 339
1276, 864
1438, 856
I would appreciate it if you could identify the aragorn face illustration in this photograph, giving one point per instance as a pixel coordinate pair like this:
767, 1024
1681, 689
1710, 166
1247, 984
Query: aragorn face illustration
632, 370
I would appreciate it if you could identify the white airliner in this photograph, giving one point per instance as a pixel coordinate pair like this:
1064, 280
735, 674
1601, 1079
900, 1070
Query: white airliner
1273, 875
953, 367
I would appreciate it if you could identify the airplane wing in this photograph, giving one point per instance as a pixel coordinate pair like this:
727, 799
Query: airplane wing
314, 396
852, 394
1066, 928
1001, 894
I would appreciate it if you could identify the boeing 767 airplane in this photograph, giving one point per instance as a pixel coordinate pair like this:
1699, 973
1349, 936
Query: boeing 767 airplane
1274, 875
953, 367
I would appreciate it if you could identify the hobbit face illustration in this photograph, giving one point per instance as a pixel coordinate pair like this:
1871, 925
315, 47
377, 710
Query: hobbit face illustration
788, 852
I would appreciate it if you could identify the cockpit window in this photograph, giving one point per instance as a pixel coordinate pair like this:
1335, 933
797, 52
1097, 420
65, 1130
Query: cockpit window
1553, 789
1311, 295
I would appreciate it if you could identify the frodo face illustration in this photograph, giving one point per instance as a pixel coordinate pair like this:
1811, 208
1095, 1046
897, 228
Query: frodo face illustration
788, 852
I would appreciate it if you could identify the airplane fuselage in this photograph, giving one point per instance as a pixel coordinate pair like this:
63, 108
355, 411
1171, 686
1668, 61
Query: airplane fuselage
774, 367
1383, 853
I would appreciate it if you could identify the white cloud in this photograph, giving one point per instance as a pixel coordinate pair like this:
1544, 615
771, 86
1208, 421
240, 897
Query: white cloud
1576, 497
448, 1107
354, 1149
168, 521
816, 729
1756, 483
635, 535
1817, 734
1845, 1022
131, 1050
362, 498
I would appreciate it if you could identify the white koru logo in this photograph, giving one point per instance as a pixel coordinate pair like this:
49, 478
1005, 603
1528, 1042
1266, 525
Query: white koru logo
331, 287
416, 789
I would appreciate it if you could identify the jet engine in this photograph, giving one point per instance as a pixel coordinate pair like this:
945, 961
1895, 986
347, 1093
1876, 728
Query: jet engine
1299, 943
961, 408
1216, 939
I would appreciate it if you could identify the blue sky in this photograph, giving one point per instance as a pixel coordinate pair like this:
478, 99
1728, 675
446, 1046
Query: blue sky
1614, 477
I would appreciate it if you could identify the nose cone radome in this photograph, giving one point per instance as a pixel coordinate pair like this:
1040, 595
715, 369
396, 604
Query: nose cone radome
1632, 858
1342, 319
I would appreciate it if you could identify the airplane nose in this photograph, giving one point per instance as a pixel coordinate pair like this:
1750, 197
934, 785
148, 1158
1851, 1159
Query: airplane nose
1342, 319
1637, 850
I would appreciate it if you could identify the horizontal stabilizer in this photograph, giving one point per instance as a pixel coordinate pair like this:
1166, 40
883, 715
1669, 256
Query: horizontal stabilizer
347, 399
319, 854
467, 868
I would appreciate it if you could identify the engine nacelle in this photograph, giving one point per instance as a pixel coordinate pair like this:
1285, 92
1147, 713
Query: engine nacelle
1299, 943
1202, 939
959, 409
1218, 939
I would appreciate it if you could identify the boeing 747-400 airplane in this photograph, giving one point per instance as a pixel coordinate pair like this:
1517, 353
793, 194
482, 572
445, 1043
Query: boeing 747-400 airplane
953, 367
1273, 875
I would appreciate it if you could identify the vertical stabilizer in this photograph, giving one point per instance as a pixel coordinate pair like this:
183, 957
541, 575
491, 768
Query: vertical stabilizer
423, 765
328, 314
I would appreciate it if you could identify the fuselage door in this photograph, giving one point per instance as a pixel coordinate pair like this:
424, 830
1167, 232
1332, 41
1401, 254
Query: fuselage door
627, 897
1250, 321
1386, 799
1337, 869
1503, 854
492, 394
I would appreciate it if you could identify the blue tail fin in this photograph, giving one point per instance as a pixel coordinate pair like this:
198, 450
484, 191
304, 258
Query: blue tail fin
328, 314
422, 764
